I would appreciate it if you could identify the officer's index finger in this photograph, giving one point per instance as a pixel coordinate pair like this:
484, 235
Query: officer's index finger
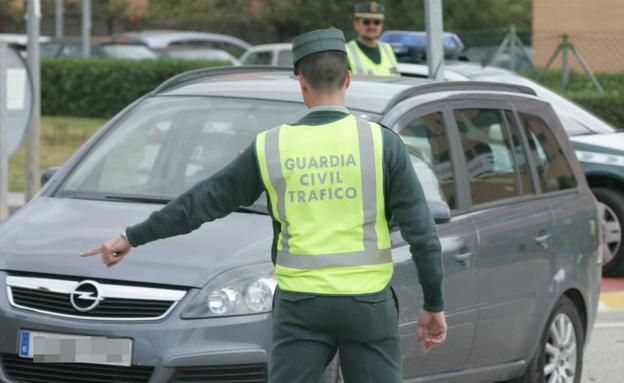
93, 251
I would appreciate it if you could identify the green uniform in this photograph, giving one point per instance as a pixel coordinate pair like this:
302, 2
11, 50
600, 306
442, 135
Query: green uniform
332, 182
370, 318
365, 60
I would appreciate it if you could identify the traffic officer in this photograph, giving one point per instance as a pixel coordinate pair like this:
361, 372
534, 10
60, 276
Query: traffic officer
367, 54
331, 245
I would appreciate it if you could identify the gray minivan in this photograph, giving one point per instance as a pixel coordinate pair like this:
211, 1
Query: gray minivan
517, 222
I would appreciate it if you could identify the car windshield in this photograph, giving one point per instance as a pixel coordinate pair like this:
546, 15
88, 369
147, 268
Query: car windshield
167, 144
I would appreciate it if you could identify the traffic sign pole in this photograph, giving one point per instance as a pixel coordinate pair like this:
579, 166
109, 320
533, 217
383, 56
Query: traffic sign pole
33, 173
435, 47
4, 134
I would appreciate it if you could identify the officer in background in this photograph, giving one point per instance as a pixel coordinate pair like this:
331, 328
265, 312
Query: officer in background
331, 245
367, 54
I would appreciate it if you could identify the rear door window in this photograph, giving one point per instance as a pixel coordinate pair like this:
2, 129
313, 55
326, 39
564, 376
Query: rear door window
285, 58
427, 143
259, 58
553, 169
495, 162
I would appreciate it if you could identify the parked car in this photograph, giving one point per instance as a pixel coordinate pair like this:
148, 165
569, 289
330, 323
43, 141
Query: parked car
268, 54
100, 47
411, 46
207, 54
163, 40
599, 148
516, 219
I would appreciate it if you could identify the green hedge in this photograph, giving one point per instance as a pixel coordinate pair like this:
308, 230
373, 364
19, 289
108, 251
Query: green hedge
608, 105
91, 87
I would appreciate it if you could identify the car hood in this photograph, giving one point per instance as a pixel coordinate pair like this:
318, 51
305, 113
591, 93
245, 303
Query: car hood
611, 143
47, 235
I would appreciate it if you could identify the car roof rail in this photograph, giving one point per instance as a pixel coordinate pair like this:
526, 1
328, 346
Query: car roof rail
434, 87
197, 74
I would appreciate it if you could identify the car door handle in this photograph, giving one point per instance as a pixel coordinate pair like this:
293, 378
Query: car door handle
542, 240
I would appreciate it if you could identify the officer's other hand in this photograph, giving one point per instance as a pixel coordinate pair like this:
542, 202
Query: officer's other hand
431, 329
112, 251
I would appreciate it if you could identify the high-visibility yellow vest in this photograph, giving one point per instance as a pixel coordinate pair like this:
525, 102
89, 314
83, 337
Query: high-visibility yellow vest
325, 187
361, 64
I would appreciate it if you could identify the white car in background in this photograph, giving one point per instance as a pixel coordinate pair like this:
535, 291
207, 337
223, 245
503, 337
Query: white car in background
599, 148
268, 54
165, 40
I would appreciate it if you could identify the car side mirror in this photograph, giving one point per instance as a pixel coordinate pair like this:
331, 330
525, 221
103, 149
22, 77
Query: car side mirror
48, 173
440, 211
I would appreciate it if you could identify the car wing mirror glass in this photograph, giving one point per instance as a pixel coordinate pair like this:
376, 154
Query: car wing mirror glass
48, 173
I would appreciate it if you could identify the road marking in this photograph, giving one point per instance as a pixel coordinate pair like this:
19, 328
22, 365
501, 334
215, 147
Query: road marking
613, 300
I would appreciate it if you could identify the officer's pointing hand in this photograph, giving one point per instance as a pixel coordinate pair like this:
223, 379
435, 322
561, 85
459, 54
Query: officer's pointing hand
431, 329
112, 251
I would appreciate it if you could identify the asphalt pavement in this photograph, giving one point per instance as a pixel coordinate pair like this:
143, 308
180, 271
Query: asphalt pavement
604, 355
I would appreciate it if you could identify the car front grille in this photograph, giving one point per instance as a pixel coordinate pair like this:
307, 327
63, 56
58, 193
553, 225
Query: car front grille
26, 371
114, 302
244, 373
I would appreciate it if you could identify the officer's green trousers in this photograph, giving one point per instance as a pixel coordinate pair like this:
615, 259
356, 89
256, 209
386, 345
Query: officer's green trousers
309, 329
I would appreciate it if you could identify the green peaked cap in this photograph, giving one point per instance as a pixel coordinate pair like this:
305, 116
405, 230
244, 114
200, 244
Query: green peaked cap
321, 40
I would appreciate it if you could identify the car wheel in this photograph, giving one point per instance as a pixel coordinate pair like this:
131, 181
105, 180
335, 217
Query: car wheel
559, 355
332, 372
611, 213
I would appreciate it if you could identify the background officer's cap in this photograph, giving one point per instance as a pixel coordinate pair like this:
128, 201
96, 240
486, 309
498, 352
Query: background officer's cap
372, 10
322, 40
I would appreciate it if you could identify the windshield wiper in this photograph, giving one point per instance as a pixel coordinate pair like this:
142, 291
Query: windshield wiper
253, 209
136, 198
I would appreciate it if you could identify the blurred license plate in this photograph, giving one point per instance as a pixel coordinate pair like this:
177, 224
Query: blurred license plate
45, 347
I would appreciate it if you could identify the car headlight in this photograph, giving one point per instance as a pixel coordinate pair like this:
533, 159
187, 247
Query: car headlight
241, 291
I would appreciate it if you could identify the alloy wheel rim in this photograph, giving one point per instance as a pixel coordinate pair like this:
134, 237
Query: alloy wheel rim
560, 351
611, 231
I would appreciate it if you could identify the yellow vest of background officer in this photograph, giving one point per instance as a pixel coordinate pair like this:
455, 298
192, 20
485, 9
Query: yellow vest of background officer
362, 65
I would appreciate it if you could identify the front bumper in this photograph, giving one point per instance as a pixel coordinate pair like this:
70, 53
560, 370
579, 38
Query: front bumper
166, 345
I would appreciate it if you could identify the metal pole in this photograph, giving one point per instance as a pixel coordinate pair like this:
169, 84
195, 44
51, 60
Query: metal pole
587, 69
565, 63
435, 47
86, 28
550, 61
512, 52
500, 50
33, 173
4, 134
58, 19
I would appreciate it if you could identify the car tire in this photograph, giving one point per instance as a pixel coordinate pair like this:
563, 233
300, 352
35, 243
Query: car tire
611, 209
332, 372
564, 313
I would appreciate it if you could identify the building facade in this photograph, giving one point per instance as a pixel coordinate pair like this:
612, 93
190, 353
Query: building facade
596, 28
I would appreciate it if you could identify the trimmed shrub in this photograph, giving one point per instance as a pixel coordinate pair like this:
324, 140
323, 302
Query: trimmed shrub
608, 105
93, 87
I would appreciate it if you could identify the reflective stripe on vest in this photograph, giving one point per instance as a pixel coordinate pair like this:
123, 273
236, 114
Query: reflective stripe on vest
338, 241
361, 64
